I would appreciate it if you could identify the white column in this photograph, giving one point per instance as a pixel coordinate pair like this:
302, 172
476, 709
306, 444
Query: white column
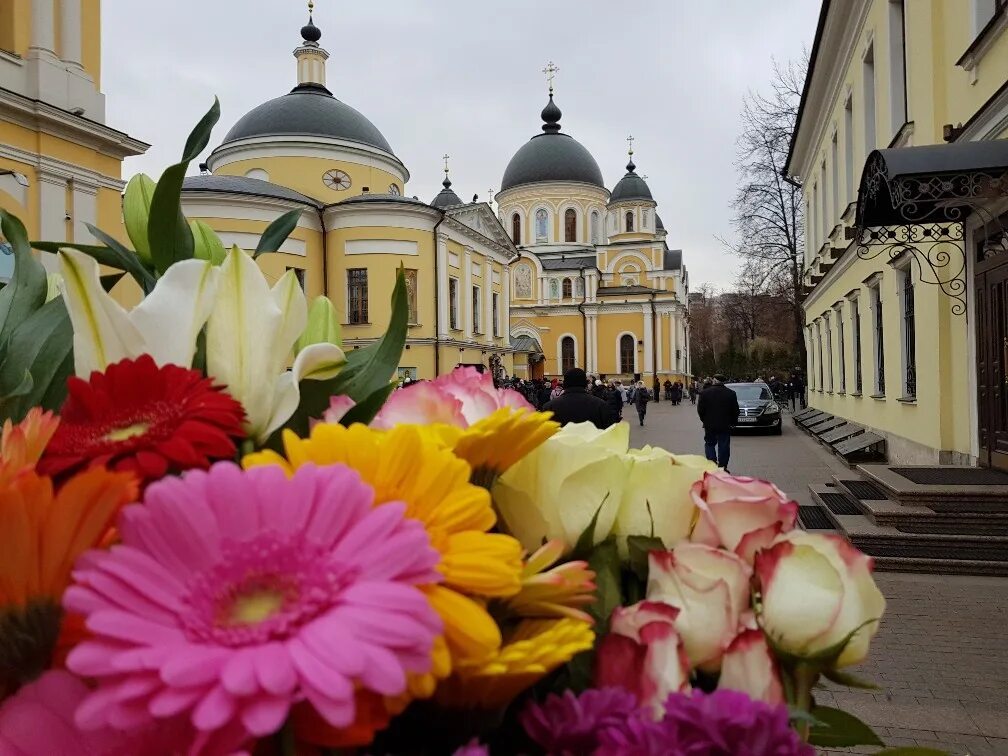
594, 336
70, 32
488, 329
85, 210
648, 366
506, 306
673, 340
542, 290
43, 25
591, 363
442, 288
466, 293
52, 212
660, 357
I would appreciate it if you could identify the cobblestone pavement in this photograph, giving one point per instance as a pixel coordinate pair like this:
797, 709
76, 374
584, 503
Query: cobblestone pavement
941, 655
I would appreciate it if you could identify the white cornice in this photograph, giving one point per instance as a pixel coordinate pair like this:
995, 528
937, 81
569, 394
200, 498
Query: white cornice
40, 116
992, 122
203, 204
552, 191
49, 166
322, 147
390, 214
461, 233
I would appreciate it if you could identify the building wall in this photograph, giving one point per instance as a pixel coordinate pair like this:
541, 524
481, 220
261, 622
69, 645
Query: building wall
304, 174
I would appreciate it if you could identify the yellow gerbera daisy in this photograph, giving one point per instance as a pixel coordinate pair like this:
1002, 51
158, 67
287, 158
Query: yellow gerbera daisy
533, 650
405, 464
496, 442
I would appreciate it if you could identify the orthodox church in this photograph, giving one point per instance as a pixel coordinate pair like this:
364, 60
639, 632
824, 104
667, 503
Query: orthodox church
565, 274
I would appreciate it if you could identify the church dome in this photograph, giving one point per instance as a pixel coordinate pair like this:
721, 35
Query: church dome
308, 110
551, 156
630, 187
446, 197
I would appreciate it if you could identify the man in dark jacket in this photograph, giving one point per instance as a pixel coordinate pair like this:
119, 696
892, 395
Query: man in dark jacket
718, 409
615, 401
577, 405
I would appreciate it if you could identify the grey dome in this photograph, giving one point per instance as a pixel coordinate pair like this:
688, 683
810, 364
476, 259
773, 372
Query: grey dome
446, 197
551, 156
243, 185
308, 110
630, 187
659, 226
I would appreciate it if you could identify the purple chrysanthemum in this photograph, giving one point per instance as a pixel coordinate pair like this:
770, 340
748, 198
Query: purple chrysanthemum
472, 748
569, 724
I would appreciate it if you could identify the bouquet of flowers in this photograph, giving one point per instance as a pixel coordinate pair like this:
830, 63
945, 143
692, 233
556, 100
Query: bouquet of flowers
219, 533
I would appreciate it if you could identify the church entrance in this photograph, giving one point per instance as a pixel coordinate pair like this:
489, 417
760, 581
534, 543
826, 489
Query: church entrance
536, 366
990, 289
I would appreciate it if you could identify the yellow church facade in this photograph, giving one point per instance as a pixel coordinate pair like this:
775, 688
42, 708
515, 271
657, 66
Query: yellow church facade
902, 154
60, 164
595, 285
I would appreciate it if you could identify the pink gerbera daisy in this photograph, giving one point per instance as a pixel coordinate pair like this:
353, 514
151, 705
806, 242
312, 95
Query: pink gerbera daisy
237, 593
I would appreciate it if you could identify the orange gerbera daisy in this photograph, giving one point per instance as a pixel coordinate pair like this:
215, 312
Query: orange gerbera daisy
21, 445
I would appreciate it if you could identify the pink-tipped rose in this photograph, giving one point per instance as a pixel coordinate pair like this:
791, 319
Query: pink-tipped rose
818, 595
740, 514
749, 667
710, 588
643, 654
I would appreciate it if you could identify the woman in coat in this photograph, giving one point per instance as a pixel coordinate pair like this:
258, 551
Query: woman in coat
641, 397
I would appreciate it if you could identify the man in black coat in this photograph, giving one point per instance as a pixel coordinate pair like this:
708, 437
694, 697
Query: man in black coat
718, 409
576, 405
615, 401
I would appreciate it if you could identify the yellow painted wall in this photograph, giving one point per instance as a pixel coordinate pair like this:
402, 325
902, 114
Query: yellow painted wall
304, 174
91, 39
15, 26
610, 326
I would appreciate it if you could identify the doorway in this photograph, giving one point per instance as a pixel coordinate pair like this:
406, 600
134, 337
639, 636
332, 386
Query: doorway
990, 289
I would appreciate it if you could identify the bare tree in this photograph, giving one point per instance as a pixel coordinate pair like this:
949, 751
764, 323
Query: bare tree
767, 209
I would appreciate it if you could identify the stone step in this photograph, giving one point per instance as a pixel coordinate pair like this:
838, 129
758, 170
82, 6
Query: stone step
945, 552
871, 501
941, 566
958, 490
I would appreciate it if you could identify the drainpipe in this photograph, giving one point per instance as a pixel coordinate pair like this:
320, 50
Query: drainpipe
654, 338
325, 252
437, 305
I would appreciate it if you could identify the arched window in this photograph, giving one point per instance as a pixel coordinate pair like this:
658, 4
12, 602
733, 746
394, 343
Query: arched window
646, 219
595, 227
629, 221
627, 352
568, 288
567, 360
570, 225
516, 228
541, 222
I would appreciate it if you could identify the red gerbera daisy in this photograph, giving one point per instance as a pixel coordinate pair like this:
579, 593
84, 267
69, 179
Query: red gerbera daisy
146, 419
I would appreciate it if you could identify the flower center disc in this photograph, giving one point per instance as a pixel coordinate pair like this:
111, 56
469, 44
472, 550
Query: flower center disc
130, 431
256, 606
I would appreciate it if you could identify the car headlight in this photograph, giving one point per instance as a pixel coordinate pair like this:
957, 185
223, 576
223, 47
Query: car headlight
771, 409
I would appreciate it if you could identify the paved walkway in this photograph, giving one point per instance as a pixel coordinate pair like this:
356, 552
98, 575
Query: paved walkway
941, 655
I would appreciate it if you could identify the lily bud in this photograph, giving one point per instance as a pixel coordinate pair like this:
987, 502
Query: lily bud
323, 325
206, 244
136, 210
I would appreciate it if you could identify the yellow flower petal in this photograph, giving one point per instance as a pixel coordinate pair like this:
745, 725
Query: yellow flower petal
470, 631
496, 442
485, 563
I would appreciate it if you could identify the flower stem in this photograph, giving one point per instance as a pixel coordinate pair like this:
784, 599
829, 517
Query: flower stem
804, 677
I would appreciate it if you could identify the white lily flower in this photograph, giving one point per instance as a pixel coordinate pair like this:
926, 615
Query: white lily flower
164, 325
250, 334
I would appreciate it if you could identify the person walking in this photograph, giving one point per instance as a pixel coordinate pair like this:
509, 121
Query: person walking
576, 405
668, 386
676, 392
796, 387
615, 401
718, 409
641, 398
692, 392
657, 389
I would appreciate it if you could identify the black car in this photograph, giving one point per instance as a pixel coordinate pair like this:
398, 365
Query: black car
757, 408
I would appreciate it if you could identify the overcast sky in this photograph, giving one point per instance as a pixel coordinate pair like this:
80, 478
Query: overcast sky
465, 77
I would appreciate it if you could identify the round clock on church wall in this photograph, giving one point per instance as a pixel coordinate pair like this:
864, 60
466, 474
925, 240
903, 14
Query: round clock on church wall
336, 180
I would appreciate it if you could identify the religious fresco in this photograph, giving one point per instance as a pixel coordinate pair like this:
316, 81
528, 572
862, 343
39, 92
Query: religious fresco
411, 294
523, 282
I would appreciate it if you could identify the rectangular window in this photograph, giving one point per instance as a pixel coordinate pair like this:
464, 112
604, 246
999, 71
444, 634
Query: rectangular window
809, 232
897, 66
841, 357
494, 299
299, 274
829, 352
476, 310
815, 220
453, 304
824, 204
909, 337
849, 150
879, 341
868, 76
822, 377
838, 207
357, 296
856, 343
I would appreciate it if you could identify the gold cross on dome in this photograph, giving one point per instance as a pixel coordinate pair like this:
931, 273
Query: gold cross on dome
551, 70
630, 141
446, 156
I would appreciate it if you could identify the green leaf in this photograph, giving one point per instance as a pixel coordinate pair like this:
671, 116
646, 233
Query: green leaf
27, 289
136, 212
168, 232
604, 560
276, 233
911, 751
586, 541
800, 715
120, 259
639, 547
840, 729
42, 347
851, 681
364, 412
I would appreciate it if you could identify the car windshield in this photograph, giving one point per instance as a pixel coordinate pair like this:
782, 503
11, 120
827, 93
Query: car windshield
750, 391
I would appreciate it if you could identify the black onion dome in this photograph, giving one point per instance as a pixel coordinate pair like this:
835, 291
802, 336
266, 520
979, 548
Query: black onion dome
551, 156
308, 110
446, 197
310, 32
659, 226
630, 187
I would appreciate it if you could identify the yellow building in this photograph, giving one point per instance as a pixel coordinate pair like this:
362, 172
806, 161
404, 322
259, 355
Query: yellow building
59, 163
900, 148
596, 285
308, 150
